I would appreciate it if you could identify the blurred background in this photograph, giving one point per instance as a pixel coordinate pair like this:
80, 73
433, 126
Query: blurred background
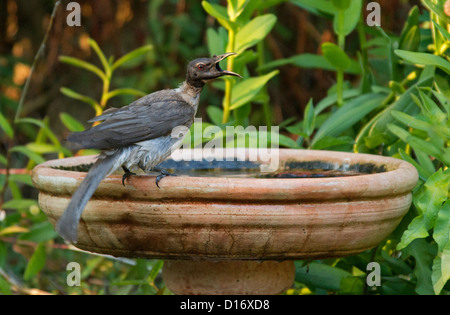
372, 99
177, 29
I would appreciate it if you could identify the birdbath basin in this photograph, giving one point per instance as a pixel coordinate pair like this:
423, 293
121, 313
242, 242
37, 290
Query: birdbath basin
225, 227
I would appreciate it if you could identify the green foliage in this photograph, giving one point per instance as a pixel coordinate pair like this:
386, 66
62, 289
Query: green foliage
239, 33
398, 106
417, 100
105, 74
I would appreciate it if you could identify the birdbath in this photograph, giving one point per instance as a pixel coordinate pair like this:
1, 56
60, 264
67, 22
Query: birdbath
225, 227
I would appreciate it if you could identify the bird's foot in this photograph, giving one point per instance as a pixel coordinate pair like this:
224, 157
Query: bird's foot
127, 175
163, 174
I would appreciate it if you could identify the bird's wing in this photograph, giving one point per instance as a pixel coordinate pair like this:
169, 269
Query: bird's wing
150, 117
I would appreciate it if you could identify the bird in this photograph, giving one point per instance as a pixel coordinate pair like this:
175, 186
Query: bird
138, 135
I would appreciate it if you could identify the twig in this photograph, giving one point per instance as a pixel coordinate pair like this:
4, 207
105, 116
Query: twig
39, 53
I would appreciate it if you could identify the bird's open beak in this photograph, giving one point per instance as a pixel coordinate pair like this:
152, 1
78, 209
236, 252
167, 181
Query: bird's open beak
221, 71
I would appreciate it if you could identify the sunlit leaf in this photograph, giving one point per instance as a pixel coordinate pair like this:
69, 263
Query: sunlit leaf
6, 127
84, 65
245, 91
336, 56
424, 59
254, 32
71, 123
30, 154
100, 55
36, 263
132, 55
13, 230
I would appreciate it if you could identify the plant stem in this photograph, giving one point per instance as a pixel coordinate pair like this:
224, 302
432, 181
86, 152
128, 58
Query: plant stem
228, 81
340, 74
266, 106
38, 55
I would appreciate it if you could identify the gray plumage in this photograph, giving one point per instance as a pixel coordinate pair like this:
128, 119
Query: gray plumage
139, 135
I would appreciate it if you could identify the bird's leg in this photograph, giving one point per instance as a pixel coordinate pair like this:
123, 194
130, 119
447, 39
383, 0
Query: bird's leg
163, 174
127, 174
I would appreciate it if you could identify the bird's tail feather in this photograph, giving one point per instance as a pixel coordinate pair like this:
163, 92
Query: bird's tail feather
67, 225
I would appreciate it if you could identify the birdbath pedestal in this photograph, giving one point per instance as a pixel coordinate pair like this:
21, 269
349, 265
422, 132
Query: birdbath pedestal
222, 233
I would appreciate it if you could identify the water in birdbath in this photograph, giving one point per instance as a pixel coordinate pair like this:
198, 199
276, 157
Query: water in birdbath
248, 169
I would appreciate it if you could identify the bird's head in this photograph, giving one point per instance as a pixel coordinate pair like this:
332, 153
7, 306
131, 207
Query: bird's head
203, 69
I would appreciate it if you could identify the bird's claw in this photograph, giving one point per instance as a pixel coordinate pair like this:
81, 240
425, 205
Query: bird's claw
163, 174
126, 176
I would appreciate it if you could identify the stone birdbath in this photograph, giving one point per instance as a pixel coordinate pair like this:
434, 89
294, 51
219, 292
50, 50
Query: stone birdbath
225, 227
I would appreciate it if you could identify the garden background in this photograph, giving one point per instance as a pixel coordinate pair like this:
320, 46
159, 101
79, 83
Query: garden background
314, 68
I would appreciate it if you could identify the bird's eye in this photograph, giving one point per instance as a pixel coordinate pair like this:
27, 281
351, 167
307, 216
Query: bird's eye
200, 66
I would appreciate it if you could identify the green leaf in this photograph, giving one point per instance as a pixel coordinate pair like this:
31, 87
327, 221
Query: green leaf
437, 8
246, 90
84, 65
3, 159
348, 115
443, 86
315, 5
441, 234
3, 254
235, 8
308, 61
30, 154
415, 142
4, 124
132, 55
36, 263
19, 203
40, 232
411, 121
332, 99
443, 31
42, 148
309, 121
377, 126
428, 201
430, 108
71, 123
318, 275
126, 91
100, 55
424, 173
411, 41
424, 59
346, 19
220, 13
423, 254
215, 114
44, 126
327, 142
5, 287
72, 94
216, 43
341, 4
22, 178
285, 141
441, 270
253, 32
336, 56
411, 31
13, 230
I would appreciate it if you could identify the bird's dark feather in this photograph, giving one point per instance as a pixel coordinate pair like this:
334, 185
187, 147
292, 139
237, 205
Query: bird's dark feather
149, 117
